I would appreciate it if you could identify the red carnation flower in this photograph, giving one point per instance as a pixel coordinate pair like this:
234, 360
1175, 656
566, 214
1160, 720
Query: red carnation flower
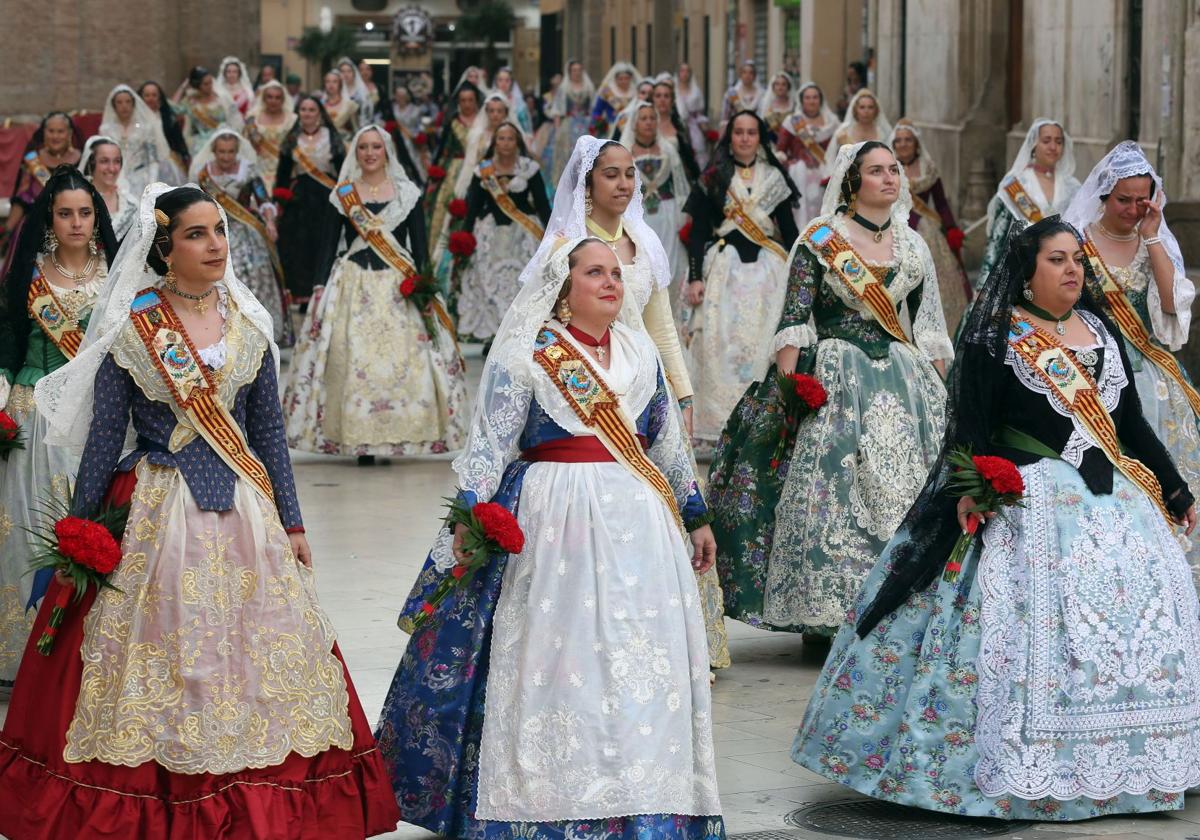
810, 391
712, 135
500, 526
458, 208
1001, 473
390, 126
408, 286
685, 233
7, 424
283, 194
427, 608
421, 139
87, 543
954, 237
462, 243
459, 570
436, 173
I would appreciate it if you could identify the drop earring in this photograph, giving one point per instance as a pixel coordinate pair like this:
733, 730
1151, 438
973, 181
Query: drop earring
587, 203
1027, 293
49, 241
564, 311
94, 243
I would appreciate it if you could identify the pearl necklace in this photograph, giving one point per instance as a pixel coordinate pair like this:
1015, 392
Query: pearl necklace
75, 277
1116, 237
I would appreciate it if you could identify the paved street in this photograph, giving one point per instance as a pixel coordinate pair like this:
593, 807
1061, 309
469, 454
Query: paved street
370, 528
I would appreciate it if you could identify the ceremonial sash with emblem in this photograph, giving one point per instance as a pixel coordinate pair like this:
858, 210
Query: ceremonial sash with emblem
805, 136
1132, 328
234, 208
177, 362
262, 144
311, 169
597, 407
48, 313
1073, 389
384, 244
1022, 201
35, 167
840, 257
735, 211
200, 114
487, 177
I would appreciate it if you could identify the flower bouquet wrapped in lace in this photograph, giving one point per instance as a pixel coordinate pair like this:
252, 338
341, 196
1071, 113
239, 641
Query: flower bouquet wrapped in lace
11, 435
801, 395
993, 483
490, 529
84, 550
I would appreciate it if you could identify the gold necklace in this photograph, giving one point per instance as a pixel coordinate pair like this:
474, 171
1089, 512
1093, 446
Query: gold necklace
609, 239
73, 276
1116, 237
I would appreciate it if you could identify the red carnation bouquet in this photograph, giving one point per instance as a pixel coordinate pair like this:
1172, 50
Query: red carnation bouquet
390, 126
685, 233
421, 290
490, 529
457, 208
420, 139
712, 136
11, 435
85, 550
282, 194
954, 238
801, 395
436, 173
994, 483
599, 126
462, 243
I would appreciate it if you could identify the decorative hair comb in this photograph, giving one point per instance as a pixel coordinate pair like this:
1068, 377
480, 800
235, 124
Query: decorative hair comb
161, 217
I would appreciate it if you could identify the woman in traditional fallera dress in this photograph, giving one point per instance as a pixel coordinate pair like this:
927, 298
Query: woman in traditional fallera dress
156, 100
309, 159
465, 109
356, 90
507, 211
797, 536
342, 110
645, 91
746, 94
102, 164
482, 739
507, 86
671, 126
59, 267
227, 169
932, 217
692, 108
56, 141
778, 104
742, 229
496, 111
617, 89
205, 109
570, 112
1143, 288
138, 131
665, 188
1041, 182
864, 121
804, 139
203, 696
233, 80
1056, 677
372, 374
268, 122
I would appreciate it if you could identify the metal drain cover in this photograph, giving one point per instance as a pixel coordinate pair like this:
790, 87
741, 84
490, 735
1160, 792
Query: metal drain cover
874, 820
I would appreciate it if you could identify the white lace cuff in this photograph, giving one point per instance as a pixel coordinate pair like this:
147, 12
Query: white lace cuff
936, 346
801, 336
1171, 328
4, 389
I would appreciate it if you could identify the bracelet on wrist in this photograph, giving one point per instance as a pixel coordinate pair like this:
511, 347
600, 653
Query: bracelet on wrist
1153, 240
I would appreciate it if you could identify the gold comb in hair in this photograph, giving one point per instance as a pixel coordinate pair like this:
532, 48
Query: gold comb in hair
162, 218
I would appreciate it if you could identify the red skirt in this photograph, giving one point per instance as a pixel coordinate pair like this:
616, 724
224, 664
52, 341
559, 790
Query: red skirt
336, 794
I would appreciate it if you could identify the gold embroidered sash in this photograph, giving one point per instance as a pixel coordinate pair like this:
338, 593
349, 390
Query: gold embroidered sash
234, 208
50, 315
262, 144
384, 244
735, 211
487, 177
925, 210
200, 114
311, 169
1073, 388
841, 258
35, 167
177, 362
1024, 203
805, 136
1132, 328
597, 407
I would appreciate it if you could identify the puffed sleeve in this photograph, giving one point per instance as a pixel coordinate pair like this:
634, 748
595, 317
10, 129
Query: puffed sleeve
264, 433
106, 436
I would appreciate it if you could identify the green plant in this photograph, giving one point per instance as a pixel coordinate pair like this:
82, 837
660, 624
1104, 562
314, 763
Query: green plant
489, 21
324, 48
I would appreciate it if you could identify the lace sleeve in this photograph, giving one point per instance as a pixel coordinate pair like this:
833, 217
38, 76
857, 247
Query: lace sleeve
929, 324
669, 451
494, 440
1171, 328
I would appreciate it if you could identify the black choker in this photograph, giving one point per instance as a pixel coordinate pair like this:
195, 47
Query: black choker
871, 226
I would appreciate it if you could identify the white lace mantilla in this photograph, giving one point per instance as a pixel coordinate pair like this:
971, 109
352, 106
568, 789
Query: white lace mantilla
1088, 661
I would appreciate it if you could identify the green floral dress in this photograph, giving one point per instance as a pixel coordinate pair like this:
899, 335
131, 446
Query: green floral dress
797, 534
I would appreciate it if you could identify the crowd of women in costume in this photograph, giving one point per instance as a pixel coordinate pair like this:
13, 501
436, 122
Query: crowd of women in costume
648, 285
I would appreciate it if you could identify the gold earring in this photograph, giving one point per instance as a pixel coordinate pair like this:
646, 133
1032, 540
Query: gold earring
587, 203
49, 241
564, 311
94, 243
169, 278
853, 201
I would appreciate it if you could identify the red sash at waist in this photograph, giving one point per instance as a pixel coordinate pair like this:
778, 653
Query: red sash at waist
582, 449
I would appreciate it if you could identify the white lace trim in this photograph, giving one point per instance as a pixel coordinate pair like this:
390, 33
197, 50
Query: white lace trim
802, 335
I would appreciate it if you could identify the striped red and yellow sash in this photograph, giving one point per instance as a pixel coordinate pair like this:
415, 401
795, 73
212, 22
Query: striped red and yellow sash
34, 166
200, 114
1073, 389
735, 211
175, 358
234, 208
1132, 328
48, 313
805, 136
841, 259
1026, 205
262, 144
311, 169
487, 177
597, 407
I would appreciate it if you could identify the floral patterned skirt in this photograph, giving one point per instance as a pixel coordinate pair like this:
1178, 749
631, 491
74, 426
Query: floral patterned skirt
367, 378
489, 281
253, 265
29, 479
1057, 679
1172, 419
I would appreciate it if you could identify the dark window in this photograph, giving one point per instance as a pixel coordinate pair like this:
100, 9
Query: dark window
633, 44
1134, 79
649, 47
707, 47
687, 40
612, 46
